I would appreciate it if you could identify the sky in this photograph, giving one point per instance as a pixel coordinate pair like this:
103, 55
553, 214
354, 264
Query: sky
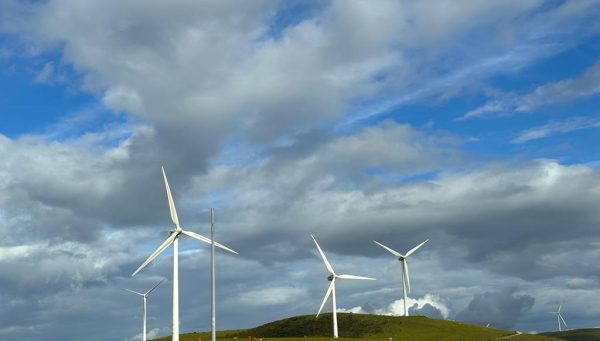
475, 125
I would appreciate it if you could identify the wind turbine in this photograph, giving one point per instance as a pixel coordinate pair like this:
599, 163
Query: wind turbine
144, 296
173, 239
559, 318
403, 260
331, 290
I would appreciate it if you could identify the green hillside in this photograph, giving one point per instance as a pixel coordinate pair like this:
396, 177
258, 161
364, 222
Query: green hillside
592, 334
368, 327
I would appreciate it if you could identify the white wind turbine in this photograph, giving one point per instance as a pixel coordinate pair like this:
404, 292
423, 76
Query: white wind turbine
403, 260
174, 240
559, 318
331, 290
144, 296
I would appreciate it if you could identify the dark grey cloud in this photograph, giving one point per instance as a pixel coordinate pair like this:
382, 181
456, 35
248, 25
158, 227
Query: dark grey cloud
501, 309
273, 234
503, 218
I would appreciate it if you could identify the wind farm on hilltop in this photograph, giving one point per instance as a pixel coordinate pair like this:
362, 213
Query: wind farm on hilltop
299, 170
352, 325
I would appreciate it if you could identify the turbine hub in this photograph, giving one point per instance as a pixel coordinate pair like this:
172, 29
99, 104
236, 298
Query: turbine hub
330, 278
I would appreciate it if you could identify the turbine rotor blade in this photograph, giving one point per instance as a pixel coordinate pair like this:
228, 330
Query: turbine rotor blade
154, 287
354, 277
327, 264
406, 276
562, 319
329, 290
154, 254
172, 209
415, 248
135, 292
206, 240
559, 307
395, 253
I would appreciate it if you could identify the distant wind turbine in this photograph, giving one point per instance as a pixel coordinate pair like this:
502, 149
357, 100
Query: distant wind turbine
173, 239
331, 290
144, 296
403, 260
559, 318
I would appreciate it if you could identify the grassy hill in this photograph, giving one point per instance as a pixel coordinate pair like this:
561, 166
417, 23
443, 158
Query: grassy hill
368, 327
592, 334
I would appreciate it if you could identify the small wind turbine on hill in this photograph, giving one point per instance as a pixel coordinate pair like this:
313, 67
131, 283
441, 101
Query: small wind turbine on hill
403, 260
145, 296
331, 290
559, 318
173, 239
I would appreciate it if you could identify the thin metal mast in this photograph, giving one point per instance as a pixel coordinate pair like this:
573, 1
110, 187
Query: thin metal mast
212, 270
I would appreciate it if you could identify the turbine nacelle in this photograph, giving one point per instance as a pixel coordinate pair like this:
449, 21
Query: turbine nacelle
330, 278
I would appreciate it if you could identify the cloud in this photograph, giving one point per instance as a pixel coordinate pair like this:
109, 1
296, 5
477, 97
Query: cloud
272, 296
428, 305
557, 127
502, 107
502, 309
149, 62
511, 46
151, 334
46, 74
586, 84
266, 210
64, 266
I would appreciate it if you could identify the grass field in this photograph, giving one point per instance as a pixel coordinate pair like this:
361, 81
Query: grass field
367, 327
592, 334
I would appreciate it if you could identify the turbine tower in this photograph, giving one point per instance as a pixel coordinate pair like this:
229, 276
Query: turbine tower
403, 260
559, 318
144, 296
331, 290
173, 239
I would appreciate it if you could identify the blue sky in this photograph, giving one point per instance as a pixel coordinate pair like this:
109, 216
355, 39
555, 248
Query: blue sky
475, 125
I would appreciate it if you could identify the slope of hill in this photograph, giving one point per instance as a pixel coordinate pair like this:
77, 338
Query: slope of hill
353, 326
369, 326
592, 334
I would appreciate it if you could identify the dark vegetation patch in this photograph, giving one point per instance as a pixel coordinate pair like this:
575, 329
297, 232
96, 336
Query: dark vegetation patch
591, 334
